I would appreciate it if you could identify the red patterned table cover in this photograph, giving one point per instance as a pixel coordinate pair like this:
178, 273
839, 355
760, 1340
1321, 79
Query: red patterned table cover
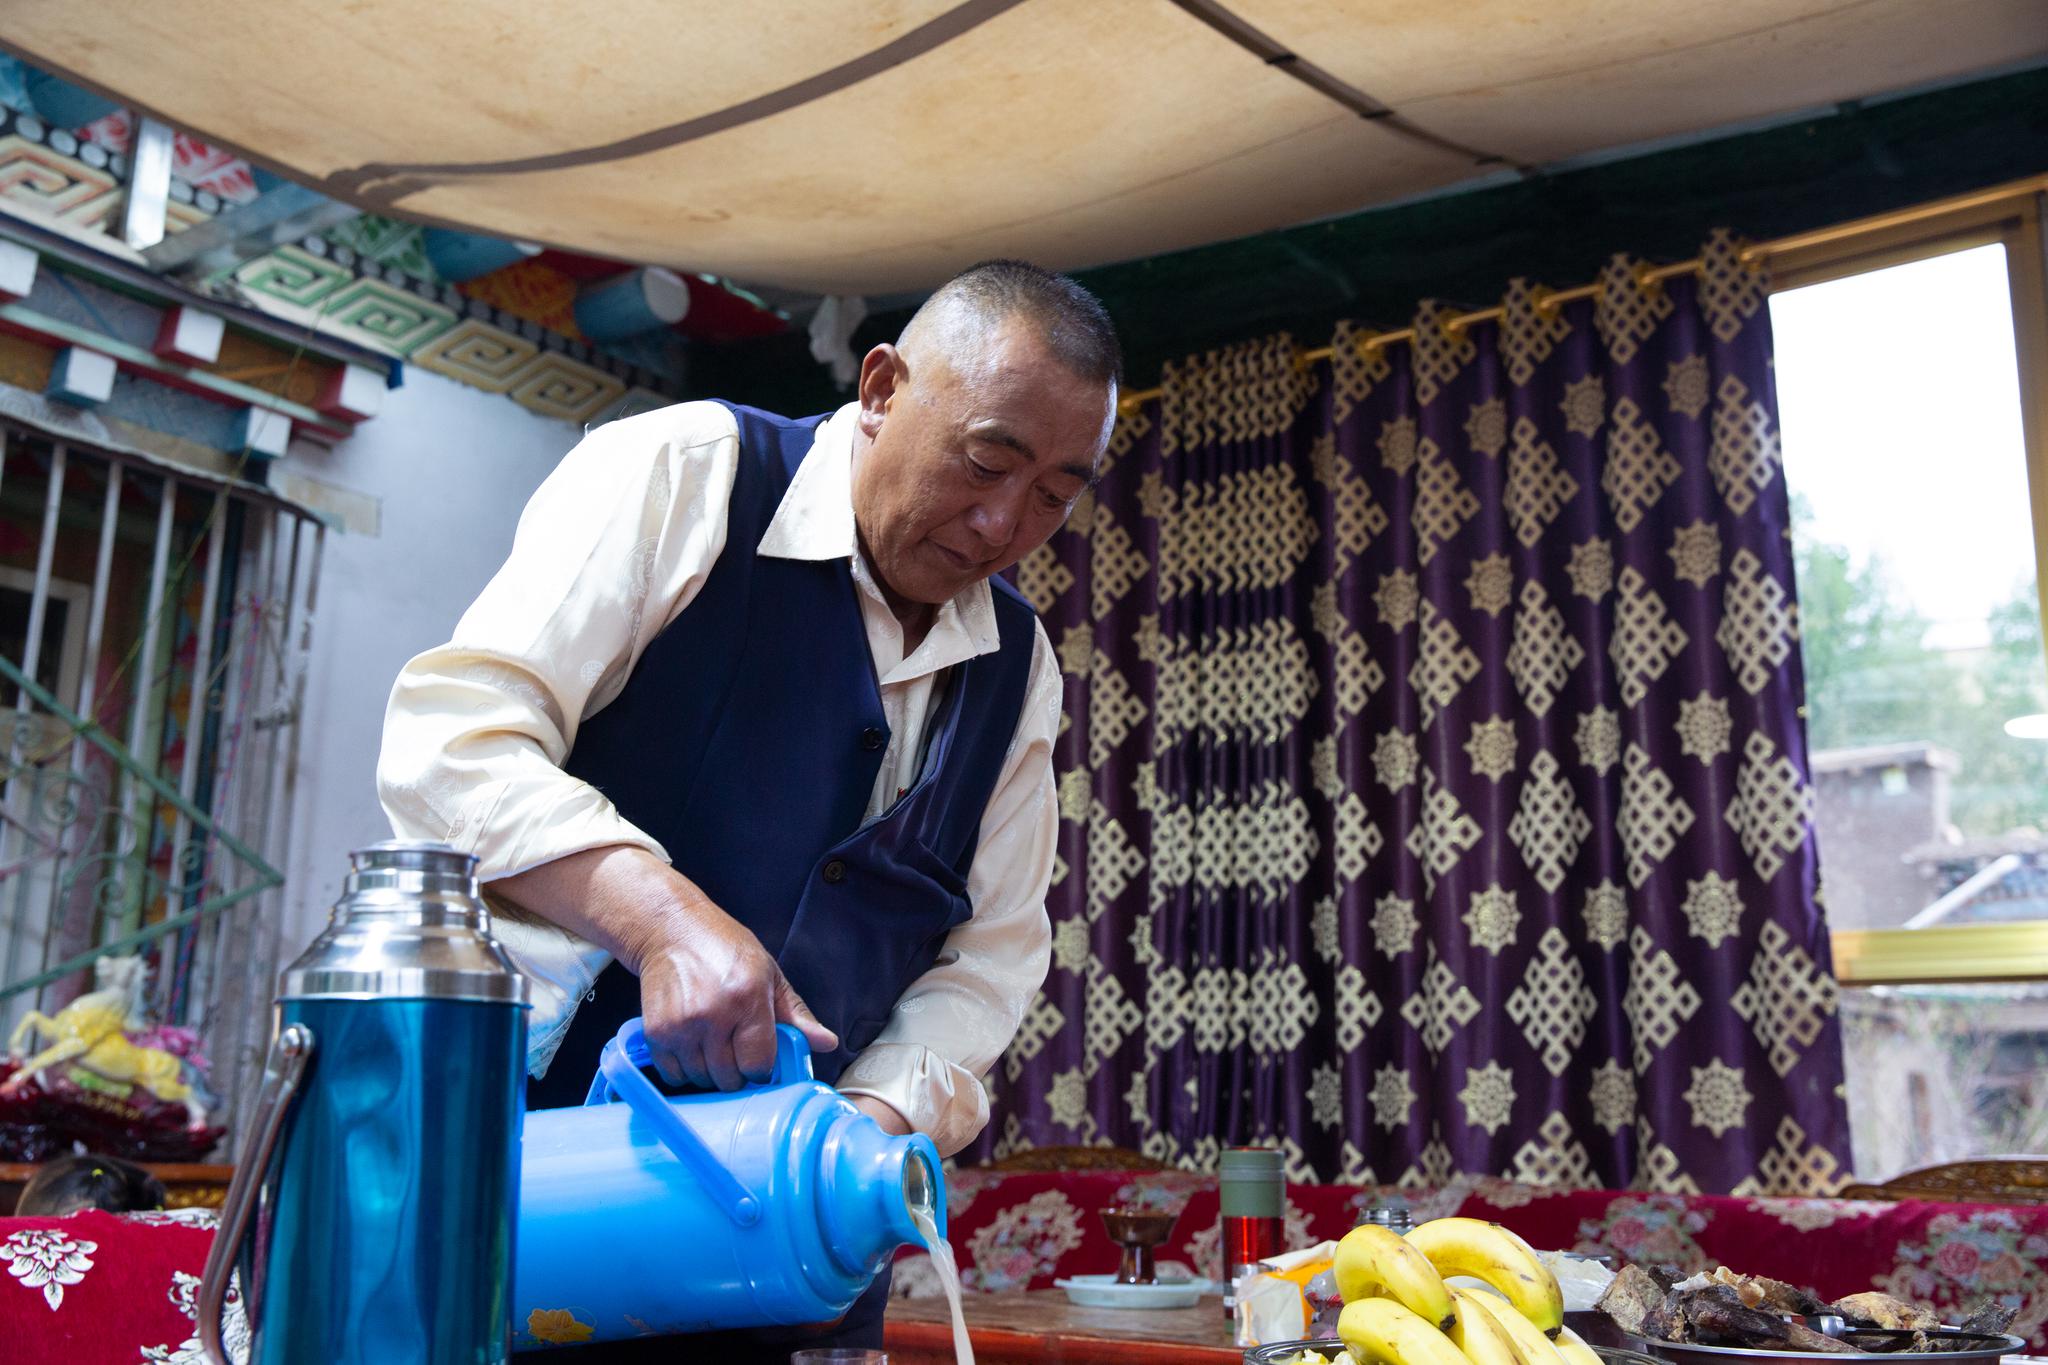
1024, 1230
106, 1289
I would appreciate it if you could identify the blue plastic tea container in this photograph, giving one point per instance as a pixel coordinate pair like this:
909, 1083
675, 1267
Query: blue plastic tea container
645, 1214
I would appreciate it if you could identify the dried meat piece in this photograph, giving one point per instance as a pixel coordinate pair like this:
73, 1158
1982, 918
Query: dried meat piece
1751, 1294
1800, 1337
1631, 1300
1719, 1317
1667, 1321
1775, 1296
1991, 1316
1882, 1310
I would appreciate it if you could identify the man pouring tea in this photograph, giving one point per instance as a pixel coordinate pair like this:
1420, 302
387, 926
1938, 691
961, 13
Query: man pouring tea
747, 731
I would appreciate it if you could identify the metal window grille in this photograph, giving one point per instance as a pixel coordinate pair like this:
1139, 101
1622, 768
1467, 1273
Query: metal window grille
154, 632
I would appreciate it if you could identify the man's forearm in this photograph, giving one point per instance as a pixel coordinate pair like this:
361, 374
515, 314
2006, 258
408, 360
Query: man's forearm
710, 994
601, 894
620, 897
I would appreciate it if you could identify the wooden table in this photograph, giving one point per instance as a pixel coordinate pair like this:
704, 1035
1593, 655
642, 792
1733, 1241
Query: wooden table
1040, 1325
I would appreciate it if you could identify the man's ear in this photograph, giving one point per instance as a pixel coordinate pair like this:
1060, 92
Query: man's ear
882, 374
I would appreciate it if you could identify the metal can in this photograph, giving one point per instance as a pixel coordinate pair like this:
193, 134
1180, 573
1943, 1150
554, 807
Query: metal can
1395, 1216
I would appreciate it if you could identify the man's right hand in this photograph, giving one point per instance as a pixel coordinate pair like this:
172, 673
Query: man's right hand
710, 995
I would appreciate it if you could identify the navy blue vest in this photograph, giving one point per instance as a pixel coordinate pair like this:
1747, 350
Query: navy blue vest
748, 740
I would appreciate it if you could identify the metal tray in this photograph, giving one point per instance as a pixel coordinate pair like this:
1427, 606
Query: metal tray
1332, 1347
1977, 1346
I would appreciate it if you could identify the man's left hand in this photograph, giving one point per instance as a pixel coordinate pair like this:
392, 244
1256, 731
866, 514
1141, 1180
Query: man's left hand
884, 1115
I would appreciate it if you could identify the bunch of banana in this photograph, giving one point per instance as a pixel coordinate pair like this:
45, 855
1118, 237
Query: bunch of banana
1399, 1311
1489, 1252
1375, 1262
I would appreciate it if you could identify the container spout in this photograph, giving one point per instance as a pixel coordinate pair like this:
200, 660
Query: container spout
873, 1186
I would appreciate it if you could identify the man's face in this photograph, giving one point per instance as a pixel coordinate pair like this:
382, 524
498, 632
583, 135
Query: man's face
971, 459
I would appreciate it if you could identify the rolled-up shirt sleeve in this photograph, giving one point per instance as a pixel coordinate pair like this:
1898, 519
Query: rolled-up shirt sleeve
953, 1023
616, 541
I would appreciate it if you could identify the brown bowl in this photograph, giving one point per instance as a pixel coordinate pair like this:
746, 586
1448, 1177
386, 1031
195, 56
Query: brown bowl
1138, 1227
1136, 1232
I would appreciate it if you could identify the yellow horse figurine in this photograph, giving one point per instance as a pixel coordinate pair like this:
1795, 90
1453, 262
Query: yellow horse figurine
89, 1030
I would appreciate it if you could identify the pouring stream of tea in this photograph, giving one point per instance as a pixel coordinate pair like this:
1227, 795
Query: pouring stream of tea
949, 1278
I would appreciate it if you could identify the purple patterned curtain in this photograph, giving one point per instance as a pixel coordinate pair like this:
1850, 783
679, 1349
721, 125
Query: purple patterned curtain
1435, 795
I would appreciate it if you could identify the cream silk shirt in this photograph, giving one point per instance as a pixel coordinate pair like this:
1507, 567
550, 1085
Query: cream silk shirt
616, 542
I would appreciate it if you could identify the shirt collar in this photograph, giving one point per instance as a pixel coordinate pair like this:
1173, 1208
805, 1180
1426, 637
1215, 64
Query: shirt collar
815, 518
814, 521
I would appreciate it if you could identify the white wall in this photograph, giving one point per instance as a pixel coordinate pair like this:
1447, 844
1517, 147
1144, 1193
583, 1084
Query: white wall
452, 467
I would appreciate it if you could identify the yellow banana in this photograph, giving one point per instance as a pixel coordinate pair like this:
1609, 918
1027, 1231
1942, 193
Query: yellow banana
1489, 1252
1377, 1262
1537, 1348
1382, 1332
1574, 1349
1483, 1340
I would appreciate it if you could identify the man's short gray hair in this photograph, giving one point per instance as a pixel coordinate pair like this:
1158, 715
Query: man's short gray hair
1073, 321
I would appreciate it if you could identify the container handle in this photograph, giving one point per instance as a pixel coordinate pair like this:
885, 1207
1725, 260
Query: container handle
281, 1076
792, 1060
618, 1073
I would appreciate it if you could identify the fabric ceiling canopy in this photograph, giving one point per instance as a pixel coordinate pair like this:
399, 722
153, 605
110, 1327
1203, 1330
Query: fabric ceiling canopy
869, 146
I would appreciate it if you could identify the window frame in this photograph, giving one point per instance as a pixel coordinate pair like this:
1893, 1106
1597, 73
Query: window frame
77, 599
2010, 215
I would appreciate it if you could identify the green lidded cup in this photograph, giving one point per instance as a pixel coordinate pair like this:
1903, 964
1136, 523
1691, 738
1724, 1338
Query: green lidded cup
1252, 1198
1250, 1183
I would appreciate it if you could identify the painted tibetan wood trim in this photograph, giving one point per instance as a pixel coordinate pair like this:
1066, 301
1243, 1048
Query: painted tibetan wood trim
25, 320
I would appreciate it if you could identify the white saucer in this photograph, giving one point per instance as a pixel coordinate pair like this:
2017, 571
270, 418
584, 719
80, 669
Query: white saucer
1102, 1291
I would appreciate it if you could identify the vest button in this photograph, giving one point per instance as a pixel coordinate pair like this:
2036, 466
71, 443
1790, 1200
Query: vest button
835, 872
872, 739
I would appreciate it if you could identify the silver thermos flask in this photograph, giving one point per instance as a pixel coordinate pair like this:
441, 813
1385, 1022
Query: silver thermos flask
373, 1208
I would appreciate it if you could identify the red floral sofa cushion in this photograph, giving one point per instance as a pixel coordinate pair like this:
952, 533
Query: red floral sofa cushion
1024, 1230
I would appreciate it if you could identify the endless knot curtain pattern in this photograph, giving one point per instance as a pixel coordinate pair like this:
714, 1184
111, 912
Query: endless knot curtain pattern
1435, 796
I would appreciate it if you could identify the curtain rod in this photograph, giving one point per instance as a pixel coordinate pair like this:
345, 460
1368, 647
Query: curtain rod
1755, 256
1547, 301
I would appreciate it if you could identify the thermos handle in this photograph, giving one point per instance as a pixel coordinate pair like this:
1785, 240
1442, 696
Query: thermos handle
618, 1072
792, 1059
281, 1077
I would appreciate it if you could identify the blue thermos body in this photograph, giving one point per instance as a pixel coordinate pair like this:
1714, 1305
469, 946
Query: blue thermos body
645, 1214
374, 1207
